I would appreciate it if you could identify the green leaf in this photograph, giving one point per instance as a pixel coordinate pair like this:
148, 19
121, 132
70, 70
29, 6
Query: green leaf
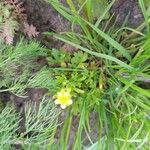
79, 59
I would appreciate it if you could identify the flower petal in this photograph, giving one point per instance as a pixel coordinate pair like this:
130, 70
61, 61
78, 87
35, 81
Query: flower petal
63, 106
66, 94
57, 101
59, 93
69, 102
63, 98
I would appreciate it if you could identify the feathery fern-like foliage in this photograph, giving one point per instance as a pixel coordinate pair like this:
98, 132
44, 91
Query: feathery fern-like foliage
8, 24
9, 121
40, 123
12, 18
17, 64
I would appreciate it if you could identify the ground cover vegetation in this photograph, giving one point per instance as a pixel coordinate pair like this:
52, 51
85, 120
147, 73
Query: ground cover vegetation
97, 94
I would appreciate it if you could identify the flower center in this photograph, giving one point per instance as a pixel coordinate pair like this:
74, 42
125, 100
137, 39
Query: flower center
64, 97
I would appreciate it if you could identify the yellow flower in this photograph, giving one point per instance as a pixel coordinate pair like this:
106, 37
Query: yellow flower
63, 98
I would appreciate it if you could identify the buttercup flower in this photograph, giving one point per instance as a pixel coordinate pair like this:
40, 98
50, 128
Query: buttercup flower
63, 98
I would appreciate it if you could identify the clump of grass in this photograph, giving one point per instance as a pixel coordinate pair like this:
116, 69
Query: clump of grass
108, 82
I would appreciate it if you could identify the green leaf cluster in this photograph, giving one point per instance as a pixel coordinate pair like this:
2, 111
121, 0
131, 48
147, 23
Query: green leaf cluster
40, 125
17, 64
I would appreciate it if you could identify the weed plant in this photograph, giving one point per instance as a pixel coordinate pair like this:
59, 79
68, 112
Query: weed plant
106, 78
107, 75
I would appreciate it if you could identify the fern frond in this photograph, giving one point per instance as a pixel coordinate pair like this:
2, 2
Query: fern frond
8, 24
8, 31
30, 30
12, 17
18, 9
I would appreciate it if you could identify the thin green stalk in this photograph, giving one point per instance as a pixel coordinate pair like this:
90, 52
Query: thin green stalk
72, 6
65, 132
142, 5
